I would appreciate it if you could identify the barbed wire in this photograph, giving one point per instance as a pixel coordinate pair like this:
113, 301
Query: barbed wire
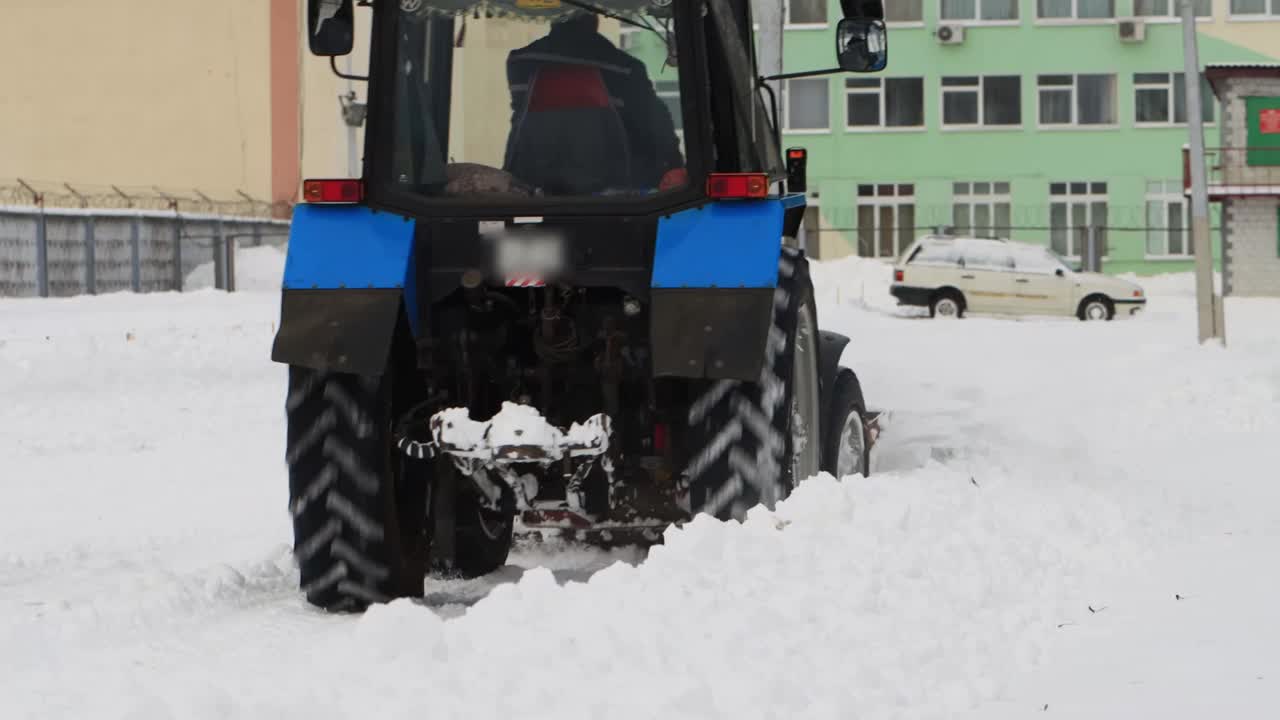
50, 194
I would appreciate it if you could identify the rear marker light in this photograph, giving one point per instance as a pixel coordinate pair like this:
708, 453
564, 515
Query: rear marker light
333, 192
899, 276
738, 186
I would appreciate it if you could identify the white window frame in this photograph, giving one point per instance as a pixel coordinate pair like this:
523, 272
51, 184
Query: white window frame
1173, 15
1075, 18
1271, 14
626, 36
1075, 123
906, 23
788, 25
1088, 198
786, 108
990, 200
977, 19
980, 89
1167, 87
880, 90
1171, 191
900, 196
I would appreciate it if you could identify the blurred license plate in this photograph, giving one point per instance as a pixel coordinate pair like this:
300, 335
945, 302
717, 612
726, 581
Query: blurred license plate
529, 252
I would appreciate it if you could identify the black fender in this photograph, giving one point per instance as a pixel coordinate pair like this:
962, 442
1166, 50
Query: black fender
831, 347
715, 333
347, 331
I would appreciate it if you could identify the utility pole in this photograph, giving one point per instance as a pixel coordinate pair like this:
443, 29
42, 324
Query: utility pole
1208, 304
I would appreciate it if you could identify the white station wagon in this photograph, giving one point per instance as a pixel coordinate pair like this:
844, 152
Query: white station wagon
952, 276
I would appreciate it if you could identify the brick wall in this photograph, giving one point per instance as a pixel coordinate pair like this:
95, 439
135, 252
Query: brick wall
1235, 130
1253, 246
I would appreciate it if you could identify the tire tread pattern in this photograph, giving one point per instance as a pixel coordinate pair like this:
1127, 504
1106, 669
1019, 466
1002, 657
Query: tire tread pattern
739, 432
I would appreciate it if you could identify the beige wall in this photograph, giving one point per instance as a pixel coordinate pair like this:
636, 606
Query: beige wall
137, 93
176, 94
1258, 36
168, 93
324, 134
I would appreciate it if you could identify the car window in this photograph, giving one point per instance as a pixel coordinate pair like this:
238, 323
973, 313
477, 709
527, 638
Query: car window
1032, 259
936, 255
986, 256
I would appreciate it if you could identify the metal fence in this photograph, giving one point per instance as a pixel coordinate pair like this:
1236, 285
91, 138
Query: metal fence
60, 252
1088, 248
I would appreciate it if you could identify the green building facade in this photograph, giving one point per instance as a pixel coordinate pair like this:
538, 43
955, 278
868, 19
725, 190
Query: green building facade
1034, 120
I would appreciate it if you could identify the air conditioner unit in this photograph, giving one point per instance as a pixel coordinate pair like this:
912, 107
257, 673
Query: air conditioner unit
1132, 30
950, 34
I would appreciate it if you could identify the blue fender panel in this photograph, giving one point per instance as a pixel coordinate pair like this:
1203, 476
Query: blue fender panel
335, 247
347, 246
728, 244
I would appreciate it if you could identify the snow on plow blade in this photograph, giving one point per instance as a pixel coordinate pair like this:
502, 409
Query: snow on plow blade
518, 434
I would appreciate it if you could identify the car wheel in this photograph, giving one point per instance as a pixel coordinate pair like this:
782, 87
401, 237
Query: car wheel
1096, 309
947, 306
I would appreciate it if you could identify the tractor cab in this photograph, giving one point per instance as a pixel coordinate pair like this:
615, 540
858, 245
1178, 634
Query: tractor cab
558, 107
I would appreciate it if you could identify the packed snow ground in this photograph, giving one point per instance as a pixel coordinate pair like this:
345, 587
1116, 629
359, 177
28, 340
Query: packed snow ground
1030, 471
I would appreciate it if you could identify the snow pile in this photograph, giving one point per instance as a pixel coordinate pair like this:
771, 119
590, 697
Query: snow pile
854, 281
1170, 284
258, 269
1043, 494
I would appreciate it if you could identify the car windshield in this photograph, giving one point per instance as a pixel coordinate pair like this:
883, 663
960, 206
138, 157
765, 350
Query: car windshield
527, 99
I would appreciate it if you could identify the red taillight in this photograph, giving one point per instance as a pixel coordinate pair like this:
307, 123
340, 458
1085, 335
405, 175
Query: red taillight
1137, 293
332, 192
660, 438
899, 275
738, 186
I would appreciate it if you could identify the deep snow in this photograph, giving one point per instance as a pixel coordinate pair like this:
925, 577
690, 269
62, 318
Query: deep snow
1030, 470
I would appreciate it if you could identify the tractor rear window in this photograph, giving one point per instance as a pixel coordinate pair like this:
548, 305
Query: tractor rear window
529, 99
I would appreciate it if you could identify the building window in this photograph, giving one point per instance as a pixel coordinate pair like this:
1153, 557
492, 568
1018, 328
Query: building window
669, 93
808, 105
1255, 8
884, 103
1169, 8
981, 209
1076, 9
991, 101
1067, 100
1074, 208
886, 219
1167, 220
812, 13
980, 10
903, 11
1161, 98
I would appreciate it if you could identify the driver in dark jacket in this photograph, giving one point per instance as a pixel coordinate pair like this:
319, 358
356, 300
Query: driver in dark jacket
656, 160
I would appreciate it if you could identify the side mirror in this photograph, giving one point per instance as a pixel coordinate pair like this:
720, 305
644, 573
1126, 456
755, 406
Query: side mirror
331, 27
1060, 272
862, 45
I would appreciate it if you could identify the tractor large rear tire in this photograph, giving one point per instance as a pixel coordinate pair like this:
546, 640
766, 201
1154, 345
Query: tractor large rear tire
358, 520
751, 443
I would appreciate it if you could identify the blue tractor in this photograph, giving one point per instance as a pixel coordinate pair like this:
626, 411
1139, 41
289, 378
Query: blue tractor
561, 299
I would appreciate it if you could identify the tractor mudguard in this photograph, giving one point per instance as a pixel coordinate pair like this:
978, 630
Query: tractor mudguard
346, 279
830, 347
714, 274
